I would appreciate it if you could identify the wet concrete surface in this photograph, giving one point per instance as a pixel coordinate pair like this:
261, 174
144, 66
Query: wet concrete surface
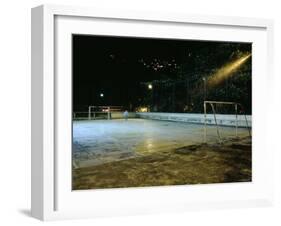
137, 152
195, 164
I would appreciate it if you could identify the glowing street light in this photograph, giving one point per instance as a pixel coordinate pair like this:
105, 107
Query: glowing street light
150, 86
101, 95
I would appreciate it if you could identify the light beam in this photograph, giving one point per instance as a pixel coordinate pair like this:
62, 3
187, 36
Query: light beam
227, 70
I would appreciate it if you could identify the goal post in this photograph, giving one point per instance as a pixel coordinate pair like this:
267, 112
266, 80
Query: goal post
94, 112
213, 105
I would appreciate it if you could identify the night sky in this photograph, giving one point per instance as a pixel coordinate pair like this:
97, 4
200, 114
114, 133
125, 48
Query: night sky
118, 67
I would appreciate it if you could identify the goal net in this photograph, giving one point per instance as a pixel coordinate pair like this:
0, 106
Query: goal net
102, 112
226, 118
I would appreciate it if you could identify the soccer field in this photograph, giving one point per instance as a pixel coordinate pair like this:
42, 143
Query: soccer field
101, 141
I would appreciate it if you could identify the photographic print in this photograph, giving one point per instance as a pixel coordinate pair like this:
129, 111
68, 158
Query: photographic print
155, 112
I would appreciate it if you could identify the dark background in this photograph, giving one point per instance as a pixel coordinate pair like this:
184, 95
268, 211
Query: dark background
121, 68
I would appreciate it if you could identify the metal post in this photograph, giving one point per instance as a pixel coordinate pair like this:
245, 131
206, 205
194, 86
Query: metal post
247, 124
205, 88
249, 130
89, 113
205, 122
108, 113
173, 97
212, 105
236, 126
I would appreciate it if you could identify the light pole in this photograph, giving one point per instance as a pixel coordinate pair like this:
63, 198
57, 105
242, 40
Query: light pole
205, 88
150, 87
101, 95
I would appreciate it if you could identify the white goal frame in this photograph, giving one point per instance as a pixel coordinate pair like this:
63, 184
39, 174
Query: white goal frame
107, 110
212, 103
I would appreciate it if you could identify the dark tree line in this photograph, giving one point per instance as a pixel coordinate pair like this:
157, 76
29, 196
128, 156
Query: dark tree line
184, 88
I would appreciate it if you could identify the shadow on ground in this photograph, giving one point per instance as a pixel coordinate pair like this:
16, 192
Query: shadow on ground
193, 164
25, 212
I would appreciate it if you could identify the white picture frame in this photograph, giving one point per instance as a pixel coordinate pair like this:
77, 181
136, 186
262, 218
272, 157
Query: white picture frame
52, 197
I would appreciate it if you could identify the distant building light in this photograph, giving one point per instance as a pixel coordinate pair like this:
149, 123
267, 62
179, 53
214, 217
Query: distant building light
142, 109
149, 86
101, 95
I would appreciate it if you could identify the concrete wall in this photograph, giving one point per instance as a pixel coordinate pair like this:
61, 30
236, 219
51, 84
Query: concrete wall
226, 120
117, 115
